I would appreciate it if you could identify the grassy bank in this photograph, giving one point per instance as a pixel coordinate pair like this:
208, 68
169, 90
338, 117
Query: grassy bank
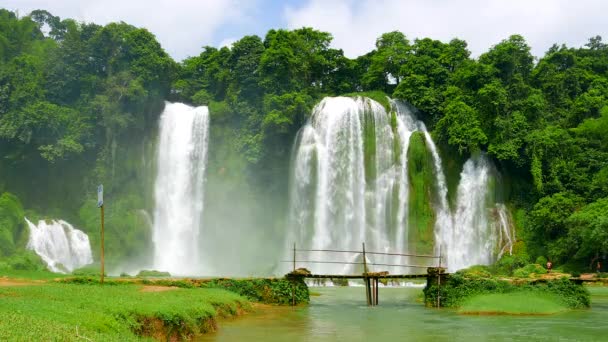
517, 303
70, 312
279, 291
481, 291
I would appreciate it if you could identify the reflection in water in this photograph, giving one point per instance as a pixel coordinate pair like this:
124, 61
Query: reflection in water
340, 314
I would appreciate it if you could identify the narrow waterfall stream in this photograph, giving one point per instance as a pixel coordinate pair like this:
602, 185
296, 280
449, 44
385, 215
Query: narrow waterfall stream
61, 246
179, 189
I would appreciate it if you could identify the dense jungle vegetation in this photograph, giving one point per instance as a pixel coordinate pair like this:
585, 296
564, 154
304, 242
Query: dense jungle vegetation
79, 104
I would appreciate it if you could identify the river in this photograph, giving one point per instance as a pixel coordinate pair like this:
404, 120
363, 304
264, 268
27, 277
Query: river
340, 314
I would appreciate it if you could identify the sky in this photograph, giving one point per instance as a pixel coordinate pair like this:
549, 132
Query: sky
183, 27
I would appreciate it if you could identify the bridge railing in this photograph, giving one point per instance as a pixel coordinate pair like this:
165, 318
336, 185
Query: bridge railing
364, 254
370, 279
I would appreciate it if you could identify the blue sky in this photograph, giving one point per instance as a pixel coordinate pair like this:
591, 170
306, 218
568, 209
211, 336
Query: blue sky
184, 26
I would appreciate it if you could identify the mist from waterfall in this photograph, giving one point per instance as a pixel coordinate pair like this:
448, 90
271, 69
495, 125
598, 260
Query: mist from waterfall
61, 246
179, 189
349, 184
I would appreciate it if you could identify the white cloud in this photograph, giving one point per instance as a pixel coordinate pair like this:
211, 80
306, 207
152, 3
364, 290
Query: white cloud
228, 42
355, 25
182, 27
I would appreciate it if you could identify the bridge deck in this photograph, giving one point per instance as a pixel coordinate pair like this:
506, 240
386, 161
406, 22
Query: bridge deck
360, 276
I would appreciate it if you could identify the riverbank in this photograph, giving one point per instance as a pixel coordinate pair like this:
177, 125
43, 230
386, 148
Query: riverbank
70, 312
48, 306
475, 292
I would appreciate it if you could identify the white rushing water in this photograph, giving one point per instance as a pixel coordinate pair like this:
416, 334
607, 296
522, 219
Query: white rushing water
61, 246
338, 199
482, 230
179, 188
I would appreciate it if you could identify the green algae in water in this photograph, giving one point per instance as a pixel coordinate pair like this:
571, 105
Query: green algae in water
517, 303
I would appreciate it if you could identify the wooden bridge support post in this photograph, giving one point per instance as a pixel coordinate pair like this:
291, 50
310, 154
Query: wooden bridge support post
376, 301
366, 280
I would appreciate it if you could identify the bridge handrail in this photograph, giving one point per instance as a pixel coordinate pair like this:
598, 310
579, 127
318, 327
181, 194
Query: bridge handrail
366, 252
356, 263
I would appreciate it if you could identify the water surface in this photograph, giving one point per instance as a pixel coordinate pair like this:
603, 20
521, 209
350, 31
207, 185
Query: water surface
340, 314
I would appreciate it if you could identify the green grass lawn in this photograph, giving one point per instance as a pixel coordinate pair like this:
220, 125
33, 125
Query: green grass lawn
517, 303
32, 275
68, 312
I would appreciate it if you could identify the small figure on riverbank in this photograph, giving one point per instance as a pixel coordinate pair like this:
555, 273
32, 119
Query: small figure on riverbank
598, 267
549, 266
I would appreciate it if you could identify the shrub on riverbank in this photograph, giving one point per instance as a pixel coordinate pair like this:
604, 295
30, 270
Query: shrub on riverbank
463, 285
74, 312
265, 290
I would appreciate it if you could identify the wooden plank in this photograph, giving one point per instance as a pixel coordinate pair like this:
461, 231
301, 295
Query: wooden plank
357, 276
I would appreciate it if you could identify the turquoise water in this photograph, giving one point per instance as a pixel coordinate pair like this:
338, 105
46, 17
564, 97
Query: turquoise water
340, 314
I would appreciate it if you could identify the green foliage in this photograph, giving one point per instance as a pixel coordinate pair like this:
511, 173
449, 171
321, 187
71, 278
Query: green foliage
53, 311
269, 291
589, 229
461, 286
541, 260
93, 270
23, 260
152, 273
12, 224
548, 221
460, 127
530, 270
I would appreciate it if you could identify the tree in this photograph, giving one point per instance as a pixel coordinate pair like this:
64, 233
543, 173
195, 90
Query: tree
460, 127
509, 58
392, 51
590, 230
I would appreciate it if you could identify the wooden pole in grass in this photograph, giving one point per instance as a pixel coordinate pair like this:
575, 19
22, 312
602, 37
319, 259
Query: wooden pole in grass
100, 205
439, 280
293, 285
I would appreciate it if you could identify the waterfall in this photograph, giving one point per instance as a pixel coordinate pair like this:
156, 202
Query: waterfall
182, 160
349, 180
482, 230
62, 247
350, 184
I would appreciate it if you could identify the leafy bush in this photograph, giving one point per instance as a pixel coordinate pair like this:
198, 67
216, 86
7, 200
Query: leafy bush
271, 291
459, 287
508, 264
152, 273
541, 260
88, 270
23, 261
12, 223
529, 270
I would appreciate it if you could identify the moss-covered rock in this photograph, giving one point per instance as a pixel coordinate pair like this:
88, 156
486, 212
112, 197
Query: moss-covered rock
422, 187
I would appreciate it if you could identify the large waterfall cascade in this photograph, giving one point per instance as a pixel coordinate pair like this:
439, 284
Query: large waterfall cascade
349, 185
61, 246
179, 189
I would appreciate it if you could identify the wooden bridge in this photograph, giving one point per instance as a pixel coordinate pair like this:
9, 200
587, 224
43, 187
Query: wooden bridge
371, 280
